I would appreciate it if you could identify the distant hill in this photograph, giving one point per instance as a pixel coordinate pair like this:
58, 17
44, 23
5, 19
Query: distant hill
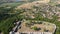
7, 0
2, 1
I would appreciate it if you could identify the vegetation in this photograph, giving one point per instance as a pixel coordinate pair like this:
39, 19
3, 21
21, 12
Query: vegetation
35, 28
8, 16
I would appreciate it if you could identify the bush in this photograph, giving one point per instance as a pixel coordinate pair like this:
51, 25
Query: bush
35, 28
46, 30
40, 22
27, 24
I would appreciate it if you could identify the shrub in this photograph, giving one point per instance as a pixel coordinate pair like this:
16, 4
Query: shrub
39, 22
46, 30
35, 28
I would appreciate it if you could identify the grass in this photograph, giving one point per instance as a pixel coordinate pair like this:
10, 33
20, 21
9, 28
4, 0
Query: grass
6, 21
6, 25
